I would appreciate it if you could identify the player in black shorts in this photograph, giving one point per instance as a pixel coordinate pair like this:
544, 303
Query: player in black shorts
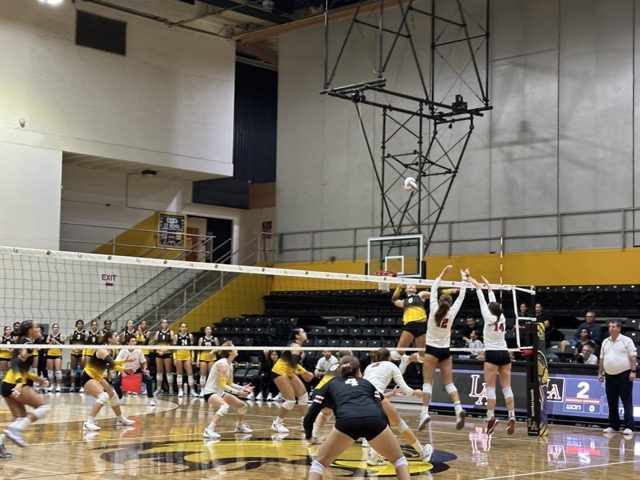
356, 405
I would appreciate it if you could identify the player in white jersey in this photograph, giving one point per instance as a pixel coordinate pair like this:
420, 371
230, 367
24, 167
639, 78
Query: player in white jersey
380, 375
217, 392
496, 357
442, 313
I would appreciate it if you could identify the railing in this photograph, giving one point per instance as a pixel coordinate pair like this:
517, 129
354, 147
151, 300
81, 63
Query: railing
200, 245
173, 293
611, 228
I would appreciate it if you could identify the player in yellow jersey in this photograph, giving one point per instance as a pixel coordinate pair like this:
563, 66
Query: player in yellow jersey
5, 353
414, 320
285, 375
207, 357
182, 359
77, 337
164, 337
54, 358
18, 393
97, 386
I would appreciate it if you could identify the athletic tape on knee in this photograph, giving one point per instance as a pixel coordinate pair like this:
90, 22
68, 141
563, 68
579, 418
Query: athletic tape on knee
303, 399
491, 393
401, 461
402, 426
288, 404
507, 392
317, 467
427, 388
102, 398
451, 388
58, 374
243, 410
113, 401
41, 411
222, 411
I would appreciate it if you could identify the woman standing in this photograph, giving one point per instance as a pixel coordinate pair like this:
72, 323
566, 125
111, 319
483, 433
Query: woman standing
77, 337
54, 358
128, 332
18, 393
217, 389
164, 337
95, 384
207, 357
442, 314
5, 353
285, 376
266, 388
182, 359
496, 357
356, 405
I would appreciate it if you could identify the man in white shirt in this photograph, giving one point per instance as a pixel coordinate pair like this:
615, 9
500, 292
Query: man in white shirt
324, 364
136, 363
618, 364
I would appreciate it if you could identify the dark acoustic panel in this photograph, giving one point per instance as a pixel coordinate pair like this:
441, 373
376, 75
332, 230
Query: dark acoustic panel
101, 33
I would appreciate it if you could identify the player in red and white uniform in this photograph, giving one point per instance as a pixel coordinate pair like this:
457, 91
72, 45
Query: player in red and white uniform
496, 357
380, 375
442, 313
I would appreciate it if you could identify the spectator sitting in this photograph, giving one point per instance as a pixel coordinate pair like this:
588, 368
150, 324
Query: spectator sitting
474, 341
524, 310
595, 330
471, 325
587, 356
585, 339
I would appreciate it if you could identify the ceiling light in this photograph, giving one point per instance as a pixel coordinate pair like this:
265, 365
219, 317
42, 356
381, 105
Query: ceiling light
51, 2
148, 173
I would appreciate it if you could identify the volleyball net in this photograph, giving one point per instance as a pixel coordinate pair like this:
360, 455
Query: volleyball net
254, 306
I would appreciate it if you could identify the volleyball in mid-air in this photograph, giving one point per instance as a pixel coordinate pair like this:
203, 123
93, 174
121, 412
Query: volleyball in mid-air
410, 184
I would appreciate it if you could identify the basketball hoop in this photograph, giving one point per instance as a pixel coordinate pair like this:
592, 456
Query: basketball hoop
383, 285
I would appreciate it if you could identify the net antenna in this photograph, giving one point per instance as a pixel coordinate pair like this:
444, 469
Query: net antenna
421, 102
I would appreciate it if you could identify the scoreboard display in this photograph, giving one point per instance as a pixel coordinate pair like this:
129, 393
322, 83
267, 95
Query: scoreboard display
582, 396
573, 392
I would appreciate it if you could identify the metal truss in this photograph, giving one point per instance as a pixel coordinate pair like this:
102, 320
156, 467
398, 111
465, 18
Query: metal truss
425, 121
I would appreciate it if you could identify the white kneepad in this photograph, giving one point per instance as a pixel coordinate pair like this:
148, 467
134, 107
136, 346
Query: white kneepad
288, 404
243, 410
41, 411
113, 401
303, 399
222, 411
102, 398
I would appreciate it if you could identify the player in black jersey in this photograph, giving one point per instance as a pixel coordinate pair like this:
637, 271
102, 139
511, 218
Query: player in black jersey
77, 337
357, 406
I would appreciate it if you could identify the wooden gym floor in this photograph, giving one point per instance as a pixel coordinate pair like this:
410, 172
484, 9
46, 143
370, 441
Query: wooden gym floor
167, 441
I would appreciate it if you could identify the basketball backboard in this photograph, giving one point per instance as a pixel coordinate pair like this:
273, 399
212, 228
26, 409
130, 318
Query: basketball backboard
401, 254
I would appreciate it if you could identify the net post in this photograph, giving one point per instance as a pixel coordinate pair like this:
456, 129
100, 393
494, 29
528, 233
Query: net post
537, 377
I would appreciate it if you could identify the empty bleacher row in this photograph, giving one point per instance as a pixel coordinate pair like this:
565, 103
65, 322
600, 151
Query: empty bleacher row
607, 300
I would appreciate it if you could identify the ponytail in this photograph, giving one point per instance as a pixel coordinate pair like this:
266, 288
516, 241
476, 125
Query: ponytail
444, 304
